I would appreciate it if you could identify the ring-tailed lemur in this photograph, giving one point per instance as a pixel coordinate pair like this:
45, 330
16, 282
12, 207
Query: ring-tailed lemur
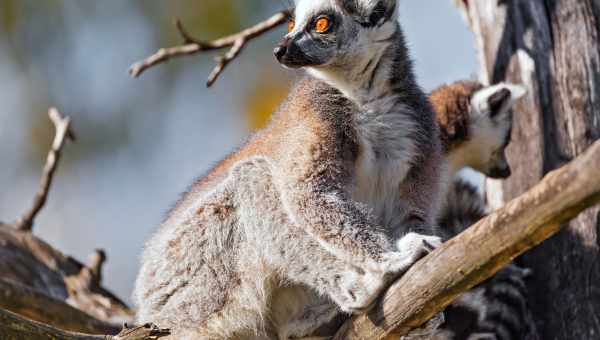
476, 124
358, 48
333, 204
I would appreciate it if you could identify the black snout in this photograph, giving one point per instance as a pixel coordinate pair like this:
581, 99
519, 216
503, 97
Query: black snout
500, 173
280, 51
292, 53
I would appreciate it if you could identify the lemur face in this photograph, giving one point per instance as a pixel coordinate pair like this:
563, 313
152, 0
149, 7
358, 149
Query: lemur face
491, 120
335, 34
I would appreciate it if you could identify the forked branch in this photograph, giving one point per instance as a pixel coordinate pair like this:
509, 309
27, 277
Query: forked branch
63, 132
191, 46
479, 252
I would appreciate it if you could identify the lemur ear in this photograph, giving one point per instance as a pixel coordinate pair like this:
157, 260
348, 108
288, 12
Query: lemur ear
495, 101
369, 13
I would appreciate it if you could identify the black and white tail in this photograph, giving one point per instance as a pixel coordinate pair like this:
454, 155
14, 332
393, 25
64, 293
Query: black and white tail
496, 309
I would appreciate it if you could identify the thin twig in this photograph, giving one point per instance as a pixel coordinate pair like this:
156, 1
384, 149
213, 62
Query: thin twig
191, 46
15, 326
63, 132
96, 263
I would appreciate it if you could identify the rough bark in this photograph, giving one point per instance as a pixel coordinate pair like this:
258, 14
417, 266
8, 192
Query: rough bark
29, 261
37, 306
15, 327
479, 252
552, 46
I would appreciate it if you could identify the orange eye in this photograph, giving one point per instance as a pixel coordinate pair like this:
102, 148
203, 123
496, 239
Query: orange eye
291, 25
322, 25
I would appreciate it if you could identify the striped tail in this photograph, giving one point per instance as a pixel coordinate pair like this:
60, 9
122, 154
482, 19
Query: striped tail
496, 309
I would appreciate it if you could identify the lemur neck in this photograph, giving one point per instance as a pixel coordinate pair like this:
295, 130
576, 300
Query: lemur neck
383, 79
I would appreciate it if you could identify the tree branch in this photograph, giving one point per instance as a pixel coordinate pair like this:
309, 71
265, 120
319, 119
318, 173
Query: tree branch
27, 260
96, 263
15, 327
479, 252
40, 307
192, 46
63, 132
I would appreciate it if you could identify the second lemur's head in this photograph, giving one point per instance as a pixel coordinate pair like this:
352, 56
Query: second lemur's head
476, 124
337, 38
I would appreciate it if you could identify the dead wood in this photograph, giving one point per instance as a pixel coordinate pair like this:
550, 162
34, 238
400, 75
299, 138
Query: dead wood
15, 327
40, 307
63, 132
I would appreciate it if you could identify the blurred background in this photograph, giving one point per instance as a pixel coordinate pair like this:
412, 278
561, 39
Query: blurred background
142, 141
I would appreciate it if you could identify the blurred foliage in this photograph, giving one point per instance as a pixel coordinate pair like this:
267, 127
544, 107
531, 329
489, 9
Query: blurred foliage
7, 15
263, 99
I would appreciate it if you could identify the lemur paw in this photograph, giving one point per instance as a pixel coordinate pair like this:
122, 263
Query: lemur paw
358, 291
410, 249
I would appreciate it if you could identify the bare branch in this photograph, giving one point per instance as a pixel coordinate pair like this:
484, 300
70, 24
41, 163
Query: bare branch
192, 46
63, 132
27, 260
96, 264
145, 332
13, 326
35, 305
434, 282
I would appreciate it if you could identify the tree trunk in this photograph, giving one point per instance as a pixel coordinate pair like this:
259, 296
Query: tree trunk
552, 47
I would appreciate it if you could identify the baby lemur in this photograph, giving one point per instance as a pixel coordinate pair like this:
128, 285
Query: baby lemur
331, 202
476, 124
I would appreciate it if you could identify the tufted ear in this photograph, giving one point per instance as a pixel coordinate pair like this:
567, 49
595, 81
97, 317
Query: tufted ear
369, 13
497, 100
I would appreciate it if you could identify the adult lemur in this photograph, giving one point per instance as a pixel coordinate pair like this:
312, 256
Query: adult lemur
311, 206
335, 203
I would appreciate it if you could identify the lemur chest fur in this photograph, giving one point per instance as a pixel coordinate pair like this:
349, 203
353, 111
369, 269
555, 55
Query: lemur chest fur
386, 151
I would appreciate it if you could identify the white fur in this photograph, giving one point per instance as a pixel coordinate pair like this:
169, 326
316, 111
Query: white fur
480, 99
306, 9
487, 134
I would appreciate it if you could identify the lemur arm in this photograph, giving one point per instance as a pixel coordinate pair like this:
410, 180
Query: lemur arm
340, 225
423, 191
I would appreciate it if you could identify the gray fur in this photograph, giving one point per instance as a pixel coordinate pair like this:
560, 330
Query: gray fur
314, 216
231, 260
399, 165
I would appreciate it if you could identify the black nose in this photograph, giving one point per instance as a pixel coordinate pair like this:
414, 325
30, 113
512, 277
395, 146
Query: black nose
500, 173
280, 51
